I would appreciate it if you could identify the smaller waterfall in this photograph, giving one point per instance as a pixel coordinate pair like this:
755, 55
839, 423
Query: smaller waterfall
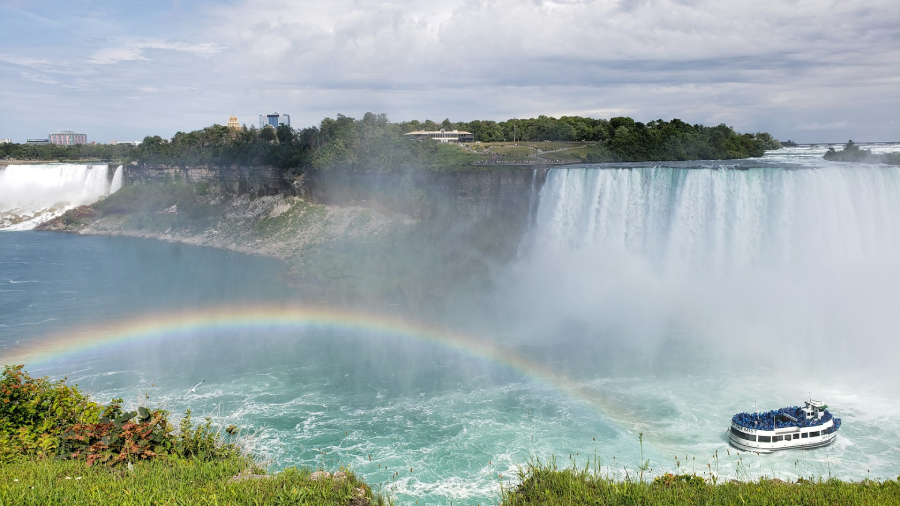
116, 181
33, 194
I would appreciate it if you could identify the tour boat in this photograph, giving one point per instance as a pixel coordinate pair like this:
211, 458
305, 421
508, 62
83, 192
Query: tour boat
810, 426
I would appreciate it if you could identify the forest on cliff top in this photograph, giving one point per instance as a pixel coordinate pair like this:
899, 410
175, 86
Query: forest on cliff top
373, 143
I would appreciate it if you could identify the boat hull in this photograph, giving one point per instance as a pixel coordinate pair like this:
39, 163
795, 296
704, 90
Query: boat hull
794, 444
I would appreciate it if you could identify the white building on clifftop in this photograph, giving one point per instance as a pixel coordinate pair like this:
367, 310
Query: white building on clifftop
442, 136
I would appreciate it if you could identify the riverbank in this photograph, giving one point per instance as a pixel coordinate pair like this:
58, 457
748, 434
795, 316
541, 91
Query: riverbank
276, 226
293, 230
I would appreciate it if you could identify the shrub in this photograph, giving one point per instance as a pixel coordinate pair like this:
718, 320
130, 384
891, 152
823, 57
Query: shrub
43, 418
669, 479
78, 215
201, 441
35, 411
119, 437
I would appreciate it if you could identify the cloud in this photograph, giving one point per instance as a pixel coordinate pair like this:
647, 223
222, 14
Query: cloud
130, 51
476, 43
834, 125
24, 61
757, 66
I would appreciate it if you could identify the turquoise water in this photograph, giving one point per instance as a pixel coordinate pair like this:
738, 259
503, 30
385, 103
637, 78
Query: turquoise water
319, 399
656, 342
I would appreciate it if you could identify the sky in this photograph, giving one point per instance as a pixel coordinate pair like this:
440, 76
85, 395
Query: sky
810, 71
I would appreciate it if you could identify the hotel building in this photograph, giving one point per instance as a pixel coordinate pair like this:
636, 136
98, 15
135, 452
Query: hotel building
274, 120
68, 137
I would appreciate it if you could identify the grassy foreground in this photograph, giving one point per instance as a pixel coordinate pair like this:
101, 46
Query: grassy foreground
546, 485
58, 447
172, 482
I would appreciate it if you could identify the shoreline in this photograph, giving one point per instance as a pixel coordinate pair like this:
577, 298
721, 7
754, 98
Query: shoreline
279, 227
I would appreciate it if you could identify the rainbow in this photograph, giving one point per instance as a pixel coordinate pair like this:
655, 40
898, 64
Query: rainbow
158, 327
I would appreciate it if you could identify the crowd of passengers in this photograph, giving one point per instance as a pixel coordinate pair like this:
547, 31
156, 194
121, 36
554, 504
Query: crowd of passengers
772, 420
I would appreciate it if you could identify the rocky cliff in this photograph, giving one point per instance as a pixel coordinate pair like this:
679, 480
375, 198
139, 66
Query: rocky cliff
477, 194
254, 181
362, 237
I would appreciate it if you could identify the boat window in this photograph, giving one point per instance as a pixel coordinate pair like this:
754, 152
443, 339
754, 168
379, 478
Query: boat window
765, 439
814, 434
743, 435
777, 438
805, 434
796, 436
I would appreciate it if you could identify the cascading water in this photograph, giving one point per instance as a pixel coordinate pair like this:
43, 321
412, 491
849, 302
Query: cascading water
32, 194
803, 258
721, 219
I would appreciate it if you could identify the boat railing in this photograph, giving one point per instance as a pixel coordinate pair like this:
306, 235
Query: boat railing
779, 419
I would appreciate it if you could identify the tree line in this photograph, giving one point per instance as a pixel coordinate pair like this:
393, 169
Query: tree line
54, 152
374, 143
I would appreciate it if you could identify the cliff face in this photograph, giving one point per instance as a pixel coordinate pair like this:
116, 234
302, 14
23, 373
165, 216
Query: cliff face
510, 195
237, 180
464, 195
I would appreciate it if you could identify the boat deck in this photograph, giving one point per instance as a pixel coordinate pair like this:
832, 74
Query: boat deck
789, 417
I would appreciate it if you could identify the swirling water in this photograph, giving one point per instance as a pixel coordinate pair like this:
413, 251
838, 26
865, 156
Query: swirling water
679, 293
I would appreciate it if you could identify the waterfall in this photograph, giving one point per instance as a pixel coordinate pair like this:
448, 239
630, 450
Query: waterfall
795, 259
32, 194
721, 219
116, 182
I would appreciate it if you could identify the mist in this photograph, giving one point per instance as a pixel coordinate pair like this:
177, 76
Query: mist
735, 268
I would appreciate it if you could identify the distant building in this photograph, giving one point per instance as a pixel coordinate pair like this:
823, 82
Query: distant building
5, 141
442, 136
115, 142
68, 138
37, 141
233, 122
274, 120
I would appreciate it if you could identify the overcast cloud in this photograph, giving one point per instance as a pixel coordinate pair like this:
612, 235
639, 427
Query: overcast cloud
802, 70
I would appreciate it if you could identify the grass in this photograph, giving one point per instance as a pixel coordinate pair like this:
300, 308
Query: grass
575, 155
172, 482
58, 447
548, 485
569, 152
